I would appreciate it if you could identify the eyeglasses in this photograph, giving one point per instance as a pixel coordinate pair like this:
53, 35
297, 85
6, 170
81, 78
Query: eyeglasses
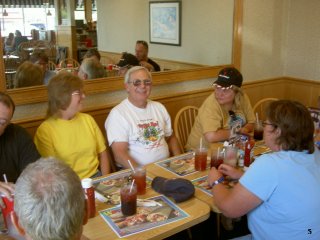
222, 89
77, 92
138, 82
3, 122
264, 124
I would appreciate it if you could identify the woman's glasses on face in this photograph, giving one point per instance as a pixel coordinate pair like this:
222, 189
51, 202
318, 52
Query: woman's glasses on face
138, 82
78, 92
265, 123
222, 89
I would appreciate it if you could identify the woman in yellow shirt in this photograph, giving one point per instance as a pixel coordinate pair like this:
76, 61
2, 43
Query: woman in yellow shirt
69, 135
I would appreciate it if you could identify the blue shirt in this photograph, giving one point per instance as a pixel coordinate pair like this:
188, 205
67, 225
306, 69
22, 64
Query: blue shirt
288, 183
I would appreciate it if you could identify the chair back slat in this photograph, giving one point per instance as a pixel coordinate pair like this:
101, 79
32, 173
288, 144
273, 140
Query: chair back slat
260, 107
183, 124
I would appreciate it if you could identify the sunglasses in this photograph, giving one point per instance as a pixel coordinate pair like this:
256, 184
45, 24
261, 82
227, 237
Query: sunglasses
222, 89
138, 82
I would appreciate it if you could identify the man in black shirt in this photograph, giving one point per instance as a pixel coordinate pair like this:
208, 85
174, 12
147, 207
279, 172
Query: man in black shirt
17, 149
142, 50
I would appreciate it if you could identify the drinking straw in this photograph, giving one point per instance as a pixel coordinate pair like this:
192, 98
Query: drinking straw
218, 153
132, 168
131, 185
200, 143
5, 178
257, 117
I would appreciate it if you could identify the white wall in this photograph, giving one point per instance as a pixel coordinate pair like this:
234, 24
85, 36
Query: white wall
264, 28
281, 38
206, 30
303, 42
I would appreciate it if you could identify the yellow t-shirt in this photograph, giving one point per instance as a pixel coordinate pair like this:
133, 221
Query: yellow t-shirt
212, 117
77, 142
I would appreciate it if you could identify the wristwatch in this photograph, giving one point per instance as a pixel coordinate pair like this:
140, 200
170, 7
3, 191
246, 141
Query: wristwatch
220, 180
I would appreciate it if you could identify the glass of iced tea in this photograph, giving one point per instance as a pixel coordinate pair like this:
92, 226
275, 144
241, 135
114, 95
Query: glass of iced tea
231, 156
258, 130
128, 196
200, 159
139, 176
217, 156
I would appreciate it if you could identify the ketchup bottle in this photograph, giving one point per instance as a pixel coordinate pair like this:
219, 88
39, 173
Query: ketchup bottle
89, 193
247, 152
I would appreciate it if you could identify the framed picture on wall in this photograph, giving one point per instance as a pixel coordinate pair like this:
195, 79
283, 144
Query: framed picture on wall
165, 22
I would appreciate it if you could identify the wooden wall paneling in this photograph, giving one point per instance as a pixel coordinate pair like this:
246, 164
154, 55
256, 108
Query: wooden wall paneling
257, 90
306, 92
174, 104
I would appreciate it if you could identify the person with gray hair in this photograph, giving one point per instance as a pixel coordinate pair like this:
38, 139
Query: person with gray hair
139, 129
91, 69
49, 202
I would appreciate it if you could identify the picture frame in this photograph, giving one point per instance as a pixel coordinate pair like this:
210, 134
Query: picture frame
165, 22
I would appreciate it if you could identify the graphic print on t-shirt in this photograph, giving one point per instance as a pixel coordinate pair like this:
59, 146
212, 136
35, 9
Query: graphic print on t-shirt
236, 120
149, 133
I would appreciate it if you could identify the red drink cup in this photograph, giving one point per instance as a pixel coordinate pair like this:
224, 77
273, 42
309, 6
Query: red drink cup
200, 160
217, 157
7, 209
139, 176
258, 134
128, 195
258, 131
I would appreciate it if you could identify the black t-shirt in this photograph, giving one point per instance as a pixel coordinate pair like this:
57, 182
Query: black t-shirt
17, 150
154, 64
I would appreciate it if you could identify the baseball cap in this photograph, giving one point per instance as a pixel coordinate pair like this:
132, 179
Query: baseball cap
178, 188
229, 76
128, 59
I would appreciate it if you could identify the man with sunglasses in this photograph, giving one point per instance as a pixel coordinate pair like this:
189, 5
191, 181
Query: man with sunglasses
139, 129
225, 110
142, 50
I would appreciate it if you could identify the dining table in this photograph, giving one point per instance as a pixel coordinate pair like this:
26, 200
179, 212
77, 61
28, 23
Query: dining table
203, 193
197, 211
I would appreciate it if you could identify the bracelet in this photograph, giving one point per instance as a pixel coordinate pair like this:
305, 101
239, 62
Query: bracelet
220, 180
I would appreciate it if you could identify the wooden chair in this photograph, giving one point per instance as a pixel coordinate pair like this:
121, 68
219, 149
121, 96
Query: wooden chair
260, 106
183, 123
51, 66
69, 63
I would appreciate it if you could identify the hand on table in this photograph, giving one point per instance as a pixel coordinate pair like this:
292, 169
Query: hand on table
230, 171
213, 175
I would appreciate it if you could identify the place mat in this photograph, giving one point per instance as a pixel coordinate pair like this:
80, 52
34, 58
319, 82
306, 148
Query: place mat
146, 217
181, 165
202, 184
109, 187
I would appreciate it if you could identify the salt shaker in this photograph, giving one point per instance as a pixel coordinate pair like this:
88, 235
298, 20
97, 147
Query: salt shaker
89, 193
